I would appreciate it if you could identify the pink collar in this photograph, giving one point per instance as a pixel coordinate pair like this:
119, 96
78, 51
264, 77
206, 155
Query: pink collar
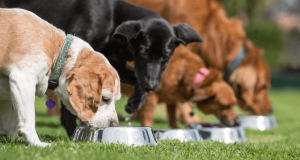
203, 72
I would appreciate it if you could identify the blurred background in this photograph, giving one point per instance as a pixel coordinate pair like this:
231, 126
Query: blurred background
273, 25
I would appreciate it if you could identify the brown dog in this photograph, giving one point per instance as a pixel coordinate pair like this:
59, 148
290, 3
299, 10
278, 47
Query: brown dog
176, 86
223, 39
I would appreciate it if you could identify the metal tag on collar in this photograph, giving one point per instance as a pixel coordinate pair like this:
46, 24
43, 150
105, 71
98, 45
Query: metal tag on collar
53, 80
50, 104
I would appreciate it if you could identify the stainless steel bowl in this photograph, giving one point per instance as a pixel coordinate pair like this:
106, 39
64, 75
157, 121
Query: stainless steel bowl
218, 132
136, 136
258, 122
183, 135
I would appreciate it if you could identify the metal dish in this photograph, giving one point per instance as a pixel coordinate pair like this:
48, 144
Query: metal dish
258, 122
218, 132
183, 135
136, 136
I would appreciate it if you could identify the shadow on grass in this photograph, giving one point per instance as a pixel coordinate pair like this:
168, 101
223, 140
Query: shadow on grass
47, 124
43, 138
49, 138
37, 114
156, 121
9, 140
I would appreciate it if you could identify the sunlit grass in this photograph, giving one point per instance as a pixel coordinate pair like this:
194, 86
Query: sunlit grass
278, 143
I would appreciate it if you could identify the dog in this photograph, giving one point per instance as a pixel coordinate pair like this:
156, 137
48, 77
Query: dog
223, 40
122, 32
88, 85
182, 82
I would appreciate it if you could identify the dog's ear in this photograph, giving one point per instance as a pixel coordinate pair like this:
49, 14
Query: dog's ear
185, 34
85, 88
202, 94
127, 30
224, 94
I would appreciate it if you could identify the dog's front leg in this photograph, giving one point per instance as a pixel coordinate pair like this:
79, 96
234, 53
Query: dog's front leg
136, 101
22, 88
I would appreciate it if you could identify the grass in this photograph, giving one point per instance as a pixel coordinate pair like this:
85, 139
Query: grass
278, 143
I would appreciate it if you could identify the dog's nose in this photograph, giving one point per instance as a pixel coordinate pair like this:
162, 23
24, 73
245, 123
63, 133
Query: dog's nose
271, 110
114, 124
237, 122
150, 88
230, 123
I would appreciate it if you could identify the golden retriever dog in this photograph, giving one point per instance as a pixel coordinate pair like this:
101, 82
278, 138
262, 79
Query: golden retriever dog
223, 39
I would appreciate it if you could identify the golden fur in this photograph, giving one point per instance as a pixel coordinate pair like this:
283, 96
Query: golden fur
222, 40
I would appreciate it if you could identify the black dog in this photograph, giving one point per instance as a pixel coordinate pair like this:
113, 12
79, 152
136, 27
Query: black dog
122, 32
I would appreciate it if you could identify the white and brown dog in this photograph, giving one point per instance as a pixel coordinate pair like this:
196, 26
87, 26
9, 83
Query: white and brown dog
29, 49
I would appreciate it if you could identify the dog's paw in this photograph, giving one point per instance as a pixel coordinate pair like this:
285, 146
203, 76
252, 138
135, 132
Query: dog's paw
41, 144
135, 103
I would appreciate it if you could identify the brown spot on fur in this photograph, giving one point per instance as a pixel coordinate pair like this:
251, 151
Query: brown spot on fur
25, 37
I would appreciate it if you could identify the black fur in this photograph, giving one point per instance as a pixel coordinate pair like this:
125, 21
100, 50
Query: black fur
122, 32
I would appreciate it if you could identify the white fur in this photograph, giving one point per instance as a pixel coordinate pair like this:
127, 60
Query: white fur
24, 82
20, 83
116, 89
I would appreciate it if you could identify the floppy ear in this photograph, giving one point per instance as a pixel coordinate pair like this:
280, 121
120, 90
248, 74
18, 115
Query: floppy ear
85, 90
201, 94
224, 93
185, 34
127, 30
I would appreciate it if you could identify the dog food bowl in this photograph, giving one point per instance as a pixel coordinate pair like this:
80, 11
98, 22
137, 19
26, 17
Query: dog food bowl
183, 135
136, 136
258, 122
219, 132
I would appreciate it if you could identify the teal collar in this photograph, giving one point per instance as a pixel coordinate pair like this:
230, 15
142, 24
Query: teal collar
235, 63
53, 81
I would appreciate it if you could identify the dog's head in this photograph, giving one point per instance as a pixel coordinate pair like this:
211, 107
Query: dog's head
251, 82
152, 43
91, 87
215, 96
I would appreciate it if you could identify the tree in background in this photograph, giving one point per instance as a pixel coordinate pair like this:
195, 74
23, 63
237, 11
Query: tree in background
264, 33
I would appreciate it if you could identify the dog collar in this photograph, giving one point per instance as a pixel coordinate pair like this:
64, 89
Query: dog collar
234, 64
53, 81
203, 72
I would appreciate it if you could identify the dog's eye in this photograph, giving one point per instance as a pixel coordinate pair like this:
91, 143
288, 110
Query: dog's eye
226, 106
105, 99
165, 54
143, 53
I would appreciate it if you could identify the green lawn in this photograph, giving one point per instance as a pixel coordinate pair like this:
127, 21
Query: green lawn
279, 143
